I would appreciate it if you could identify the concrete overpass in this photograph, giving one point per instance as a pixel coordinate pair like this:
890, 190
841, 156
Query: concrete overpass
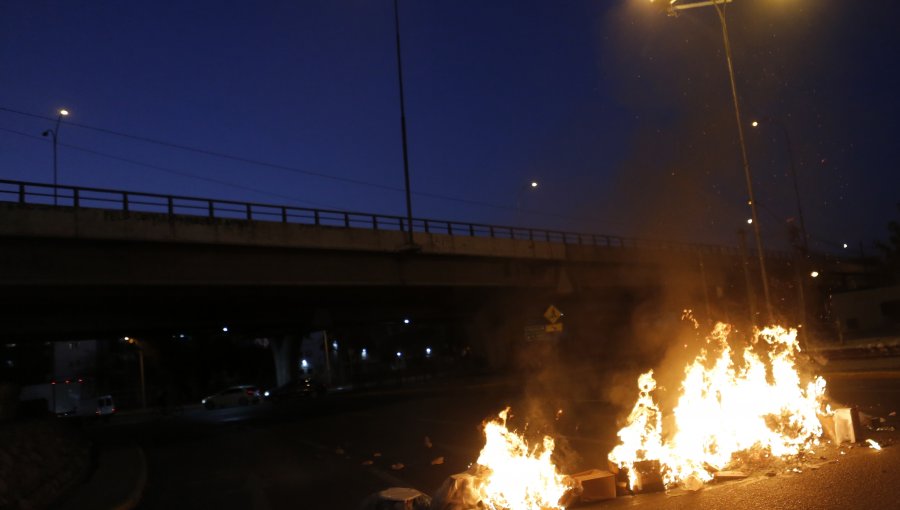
75, 259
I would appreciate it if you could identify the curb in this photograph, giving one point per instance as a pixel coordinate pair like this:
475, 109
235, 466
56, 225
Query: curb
862, 374
134, 497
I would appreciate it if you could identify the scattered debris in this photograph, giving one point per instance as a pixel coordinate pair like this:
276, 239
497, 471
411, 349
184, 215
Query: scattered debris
397, 498
892, 413
724, 476
692, 484
339, 451
459, 491
559, 414
596, 485
827, 423
376, 454
428, 442
648, 477
886, 429
398, 466
367, 462
846, 425
770, 474
438, 461
873, 445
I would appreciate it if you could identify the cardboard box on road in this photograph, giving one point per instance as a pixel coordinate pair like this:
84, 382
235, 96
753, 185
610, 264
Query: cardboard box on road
596, 484
846, 425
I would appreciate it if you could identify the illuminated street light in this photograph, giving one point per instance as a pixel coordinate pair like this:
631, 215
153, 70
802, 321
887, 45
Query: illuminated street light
845, 246
750, 221
754, 124
54, 134
673, 8
814, 274
534, 184
399, 354
405, 321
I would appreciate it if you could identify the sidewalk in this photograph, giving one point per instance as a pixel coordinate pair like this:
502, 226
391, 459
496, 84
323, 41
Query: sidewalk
117, 484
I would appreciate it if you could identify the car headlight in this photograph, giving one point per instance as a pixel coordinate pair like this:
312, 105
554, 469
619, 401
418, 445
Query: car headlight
203, 401
266, 393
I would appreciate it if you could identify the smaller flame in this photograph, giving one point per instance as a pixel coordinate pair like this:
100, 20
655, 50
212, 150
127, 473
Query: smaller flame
515, 475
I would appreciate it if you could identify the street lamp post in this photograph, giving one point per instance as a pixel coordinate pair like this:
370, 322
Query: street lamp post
140, 351
793, 169
673, 8
804, 237
411, 244
54, 133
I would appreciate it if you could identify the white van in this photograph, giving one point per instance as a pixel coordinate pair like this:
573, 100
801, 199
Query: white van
105, 407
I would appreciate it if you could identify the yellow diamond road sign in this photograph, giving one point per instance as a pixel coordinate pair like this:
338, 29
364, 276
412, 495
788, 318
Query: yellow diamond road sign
552, 314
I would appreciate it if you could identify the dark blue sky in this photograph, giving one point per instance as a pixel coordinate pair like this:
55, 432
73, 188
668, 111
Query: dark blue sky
623, 115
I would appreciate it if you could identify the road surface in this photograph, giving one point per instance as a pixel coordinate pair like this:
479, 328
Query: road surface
331, 452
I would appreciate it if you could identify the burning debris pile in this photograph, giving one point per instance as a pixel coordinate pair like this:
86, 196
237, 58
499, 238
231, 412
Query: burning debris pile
734, 405
509, 474
739, 406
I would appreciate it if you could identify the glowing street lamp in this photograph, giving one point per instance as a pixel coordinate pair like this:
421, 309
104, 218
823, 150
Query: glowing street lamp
672, 8
54, 133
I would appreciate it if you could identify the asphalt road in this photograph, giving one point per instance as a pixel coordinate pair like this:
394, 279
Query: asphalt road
331, 452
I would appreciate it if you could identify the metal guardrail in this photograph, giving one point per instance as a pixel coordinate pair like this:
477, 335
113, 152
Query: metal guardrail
79, 197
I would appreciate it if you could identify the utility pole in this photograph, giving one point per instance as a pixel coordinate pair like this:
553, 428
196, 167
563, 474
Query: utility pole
748, 282
54, 134
673, 8
410, 241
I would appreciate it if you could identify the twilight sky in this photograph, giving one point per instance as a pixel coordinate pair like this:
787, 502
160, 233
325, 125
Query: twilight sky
621, 113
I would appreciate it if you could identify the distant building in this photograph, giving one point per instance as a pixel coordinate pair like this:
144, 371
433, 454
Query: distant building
868, 313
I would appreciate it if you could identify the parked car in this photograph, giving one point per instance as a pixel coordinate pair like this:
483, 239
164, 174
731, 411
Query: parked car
233, 396
303, 387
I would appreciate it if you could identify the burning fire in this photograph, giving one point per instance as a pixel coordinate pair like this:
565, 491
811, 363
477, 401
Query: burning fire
515, 476
732, 402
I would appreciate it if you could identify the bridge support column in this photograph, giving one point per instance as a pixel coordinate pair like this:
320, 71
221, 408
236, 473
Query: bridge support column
284, 354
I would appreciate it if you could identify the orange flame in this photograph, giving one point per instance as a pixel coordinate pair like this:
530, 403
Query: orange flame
726, 407
516, 476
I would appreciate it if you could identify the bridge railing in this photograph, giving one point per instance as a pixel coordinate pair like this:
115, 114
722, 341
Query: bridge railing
78, 197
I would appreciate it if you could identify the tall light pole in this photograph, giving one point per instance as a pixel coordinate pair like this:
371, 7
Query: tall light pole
409, 219
673, 9
54, 133
140, 350
793, 169
801, 266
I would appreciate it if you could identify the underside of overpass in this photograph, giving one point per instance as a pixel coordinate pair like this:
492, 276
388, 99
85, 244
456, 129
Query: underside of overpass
79, 272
